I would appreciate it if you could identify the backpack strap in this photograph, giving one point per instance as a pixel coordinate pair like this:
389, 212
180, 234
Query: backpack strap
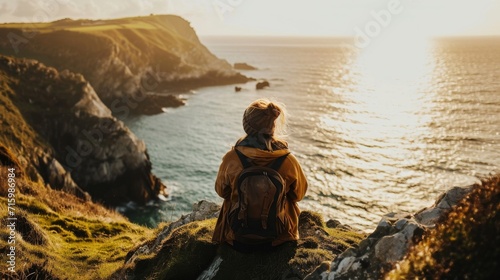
245, 161
278, 162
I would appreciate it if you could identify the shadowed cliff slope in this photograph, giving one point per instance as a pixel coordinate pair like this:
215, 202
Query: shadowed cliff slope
67, 138
123, 59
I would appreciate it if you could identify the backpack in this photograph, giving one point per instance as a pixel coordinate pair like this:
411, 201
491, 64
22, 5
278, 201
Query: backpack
258, 216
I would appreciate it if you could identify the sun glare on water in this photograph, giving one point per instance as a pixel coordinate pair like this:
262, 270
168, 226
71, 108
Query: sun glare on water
383, 114
392, 77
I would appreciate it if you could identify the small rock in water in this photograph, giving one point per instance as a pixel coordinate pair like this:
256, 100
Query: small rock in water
262, 85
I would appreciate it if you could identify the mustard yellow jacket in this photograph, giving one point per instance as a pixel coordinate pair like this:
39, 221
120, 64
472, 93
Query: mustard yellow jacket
225, 184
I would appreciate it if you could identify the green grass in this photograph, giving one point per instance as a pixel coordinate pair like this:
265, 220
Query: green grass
16, 134
184, 254
92, 244
84, 25
344, 237
105, 27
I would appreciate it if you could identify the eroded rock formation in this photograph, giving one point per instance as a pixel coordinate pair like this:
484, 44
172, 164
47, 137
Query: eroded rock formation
85, 149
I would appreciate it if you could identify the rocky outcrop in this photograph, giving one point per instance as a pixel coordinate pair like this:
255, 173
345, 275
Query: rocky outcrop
183, 250
56, 176
464, 242
262, 85
202, 210
84, 148
124, 59
243, 66
430, 215
389, 243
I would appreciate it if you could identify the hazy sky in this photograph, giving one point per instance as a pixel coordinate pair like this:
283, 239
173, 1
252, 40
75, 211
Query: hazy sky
283, 17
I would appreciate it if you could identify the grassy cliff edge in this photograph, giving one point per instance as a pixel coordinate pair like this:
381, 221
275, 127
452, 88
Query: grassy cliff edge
57, 235
139, 59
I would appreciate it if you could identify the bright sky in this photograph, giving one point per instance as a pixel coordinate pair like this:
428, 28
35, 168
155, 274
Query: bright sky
283, 17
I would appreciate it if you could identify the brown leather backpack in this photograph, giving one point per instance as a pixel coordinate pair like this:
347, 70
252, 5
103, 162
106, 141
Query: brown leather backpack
258, 217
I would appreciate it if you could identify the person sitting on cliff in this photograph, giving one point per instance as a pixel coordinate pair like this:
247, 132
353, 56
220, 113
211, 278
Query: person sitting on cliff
261, 183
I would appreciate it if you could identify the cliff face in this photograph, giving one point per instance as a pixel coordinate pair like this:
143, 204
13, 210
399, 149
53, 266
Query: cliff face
79, 145
123, 59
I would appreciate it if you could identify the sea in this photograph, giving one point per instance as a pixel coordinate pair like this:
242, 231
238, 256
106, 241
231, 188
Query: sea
379, 129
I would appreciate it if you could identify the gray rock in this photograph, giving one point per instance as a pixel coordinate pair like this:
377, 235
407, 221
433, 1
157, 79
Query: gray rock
212, 270
333, 223
204, 210
430, 215
454, 195
383, 228
60, 179
345, 265
366, 243
400, 224
54, 174
390, 241
391, 248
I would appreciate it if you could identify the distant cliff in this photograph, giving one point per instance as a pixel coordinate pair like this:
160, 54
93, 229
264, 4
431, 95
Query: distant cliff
123, 59
67, 138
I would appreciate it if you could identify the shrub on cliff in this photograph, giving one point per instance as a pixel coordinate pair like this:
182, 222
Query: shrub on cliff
465, 244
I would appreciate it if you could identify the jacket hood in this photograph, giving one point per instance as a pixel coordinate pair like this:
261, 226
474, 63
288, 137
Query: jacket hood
261, 157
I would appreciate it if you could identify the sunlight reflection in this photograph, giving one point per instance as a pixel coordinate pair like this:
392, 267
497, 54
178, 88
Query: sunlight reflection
383, 117
393, 77
391, 95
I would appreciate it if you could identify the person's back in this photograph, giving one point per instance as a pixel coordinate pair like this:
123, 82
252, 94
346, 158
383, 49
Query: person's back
278, 209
